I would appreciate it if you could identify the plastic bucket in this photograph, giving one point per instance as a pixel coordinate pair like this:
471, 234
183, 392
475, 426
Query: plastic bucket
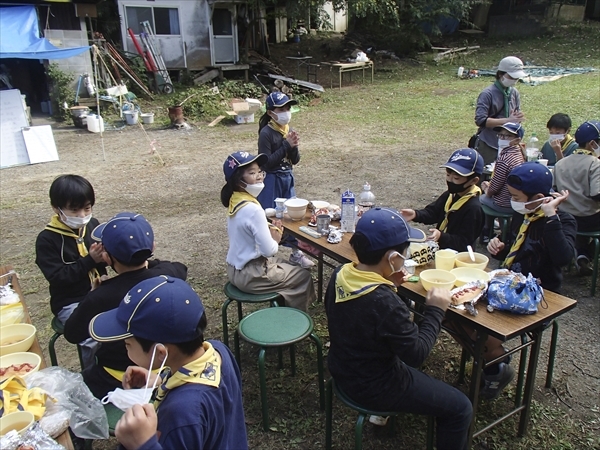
131, 117
78, 111
95, 123
147, 117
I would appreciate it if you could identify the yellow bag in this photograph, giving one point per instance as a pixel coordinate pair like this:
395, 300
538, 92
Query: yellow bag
12, 313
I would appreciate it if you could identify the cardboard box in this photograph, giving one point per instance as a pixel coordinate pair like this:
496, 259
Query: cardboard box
243, 111
244, 118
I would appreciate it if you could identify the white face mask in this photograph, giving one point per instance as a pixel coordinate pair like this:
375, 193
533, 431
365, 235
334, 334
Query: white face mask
75, 222
283, 118
521, 207
392, 266
507, 82
596, 149
502, 144
254, 189
554, 137
126, 398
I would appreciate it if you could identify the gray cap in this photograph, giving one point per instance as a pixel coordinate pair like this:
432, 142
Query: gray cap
512, 66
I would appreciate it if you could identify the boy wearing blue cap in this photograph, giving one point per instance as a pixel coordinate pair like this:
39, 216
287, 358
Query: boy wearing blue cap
457, 212
279, 143
198, 402
580, 175
375, 346
510, 155
542, 238
128, 242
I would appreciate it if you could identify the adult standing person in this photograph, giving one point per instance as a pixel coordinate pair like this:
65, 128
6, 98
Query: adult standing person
279, 143
498, 104
253, 242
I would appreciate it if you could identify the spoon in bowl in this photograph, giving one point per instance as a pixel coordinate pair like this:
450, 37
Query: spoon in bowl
471, 254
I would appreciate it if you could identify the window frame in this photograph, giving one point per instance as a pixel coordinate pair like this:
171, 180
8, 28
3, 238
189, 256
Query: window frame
153, 22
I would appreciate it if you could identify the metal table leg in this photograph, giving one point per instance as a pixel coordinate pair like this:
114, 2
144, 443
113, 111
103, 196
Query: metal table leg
476, 379
536, 335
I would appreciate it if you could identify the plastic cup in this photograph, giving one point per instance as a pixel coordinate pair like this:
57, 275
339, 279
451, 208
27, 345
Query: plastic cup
444, 259
323, 221
543, 162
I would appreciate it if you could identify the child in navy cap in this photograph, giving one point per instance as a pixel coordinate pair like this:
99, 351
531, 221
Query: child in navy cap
580, 175
375, 346
510, 155
253, 242
542, 239
279, 143
198, 402
457, 212
128, 243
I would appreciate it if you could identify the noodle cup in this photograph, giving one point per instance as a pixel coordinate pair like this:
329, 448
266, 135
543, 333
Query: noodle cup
464, 260
15, 338
436, 278
20, 358
20, 421
444, 259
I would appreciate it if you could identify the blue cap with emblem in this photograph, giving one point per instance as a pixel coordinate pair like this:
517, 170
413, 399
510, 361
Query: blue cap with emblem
531, 178
465, 162
279, 100
127, 236
240, 159
160, 309
386, 228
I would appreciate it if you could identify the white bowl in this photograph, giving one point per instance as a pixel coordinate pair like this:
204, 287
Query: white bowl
436, 278
296, 208
18, 420
464, 260
20, 358
15, 338
319, 204
465, 275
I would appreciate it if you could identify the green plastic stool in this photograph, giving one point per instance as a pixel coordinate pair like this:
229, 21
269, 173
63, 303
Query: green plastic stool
503, 218
332, 389
234, 294
59, 330
113, 414
595, 236
278, 327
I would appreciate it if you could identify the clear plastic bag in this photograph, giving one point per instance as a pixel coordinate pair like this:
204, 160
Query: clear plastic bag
12, 313
87, 417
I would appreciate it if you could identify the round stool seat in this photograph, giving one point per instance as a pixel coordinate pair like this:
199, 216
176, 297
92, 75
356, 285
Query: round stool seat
492, 212
57, 326
274, 327
592, 234
352, 404
234, 293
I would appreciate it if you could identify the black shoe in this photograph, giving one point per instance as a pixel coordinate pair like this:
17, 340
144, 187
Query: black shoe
583, 265
494, 384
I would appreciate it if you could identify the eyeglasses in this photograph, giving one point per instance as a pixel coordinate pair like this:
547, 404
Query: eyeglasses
507, 137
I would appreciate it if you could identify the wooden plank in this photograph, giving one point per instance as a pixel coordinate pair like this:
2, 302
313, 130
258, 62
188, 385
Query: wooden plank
306, 84
211, 74
5, 276
216, 121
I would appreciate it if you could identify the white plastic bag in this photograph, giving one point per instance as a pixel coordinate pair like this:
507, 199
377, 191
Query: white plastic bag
87, 417
361, 57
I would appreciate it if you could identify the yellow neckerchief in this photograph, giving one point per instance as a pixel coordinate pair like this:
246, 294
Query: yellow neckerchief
119, 374
57, 226
451, 207
238, 200
351, 283
204, 370
567, 141
14, 396
514, 249
583, 151
283, 130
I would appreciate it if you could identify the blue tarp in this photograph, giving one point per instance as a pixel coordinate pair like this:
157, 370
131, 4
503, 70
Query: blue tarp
20, 38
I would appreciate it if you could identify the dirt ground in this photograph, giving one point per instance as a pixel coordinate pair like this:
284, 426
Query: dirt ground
181, 200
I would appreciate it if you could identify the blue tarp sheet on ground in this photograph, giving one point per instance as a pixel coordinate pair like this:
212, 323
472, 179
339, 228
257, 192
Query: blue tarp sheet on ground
19, 36
538, 75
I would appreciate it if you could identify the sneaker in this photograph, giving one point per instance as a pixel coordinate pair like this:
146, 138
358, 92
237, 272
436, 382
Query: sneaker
494, 384
378, 420
300, 259
583, 265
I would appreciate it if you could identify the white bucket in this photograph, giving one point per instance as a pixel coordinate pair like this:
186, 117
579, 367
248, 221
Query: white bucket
95, 123
131, 117
147, 117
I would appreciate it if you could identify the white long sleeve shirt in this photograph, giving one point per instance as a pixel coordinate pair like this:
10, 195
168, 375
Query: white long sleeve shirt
249, 236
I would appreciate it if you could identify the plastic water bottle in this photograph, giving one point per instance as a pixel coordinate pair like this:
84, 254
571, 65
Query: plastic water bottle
366, 199
533, 148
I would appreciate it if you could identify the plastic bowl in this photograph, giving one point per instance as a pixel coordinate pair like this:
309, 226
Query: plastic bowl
464, 260
319, 204
296, 208
465, 275
436, 278
20, 358
16, 338
18, 420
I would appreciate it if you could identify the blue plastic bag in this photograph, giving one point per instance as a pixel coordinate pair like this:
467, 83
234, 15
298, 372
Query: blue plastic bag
515, 293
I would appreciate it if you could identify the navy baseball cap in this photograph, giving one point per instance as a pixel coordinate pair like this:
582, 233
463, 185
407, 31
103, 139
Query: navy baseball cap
386, 228
587, 131
530, 178
279, 100
465, 162
125, 235
241, 159
511, 127
160, 309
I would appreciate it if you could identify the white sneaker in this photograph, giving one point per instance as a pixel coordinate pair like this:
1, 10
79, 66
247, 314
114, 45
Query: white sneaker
378, 420
300, 259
